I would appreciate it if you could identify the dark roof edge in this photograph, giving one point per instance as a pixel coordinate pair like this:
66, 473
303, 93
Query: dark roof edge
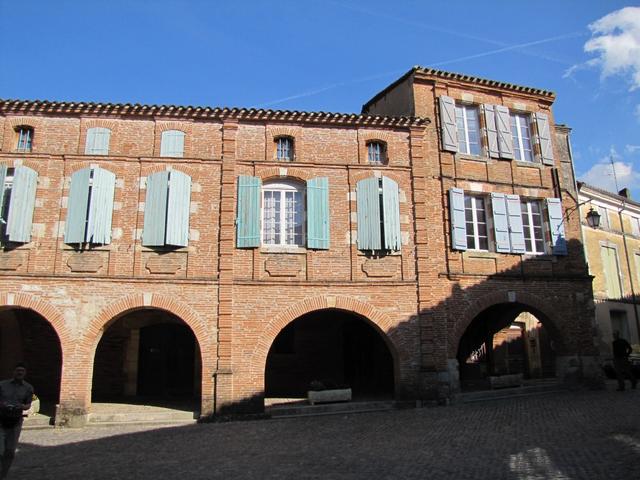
391, 86
26, 107
615, 196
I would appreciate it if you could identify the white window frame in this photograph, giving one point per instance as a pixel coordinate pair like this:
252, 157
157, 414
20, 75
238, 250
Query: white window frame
25, 138
518, 138
280, 150
475, 235
463, 135
528, 224
376, 152
282, 188
605, 224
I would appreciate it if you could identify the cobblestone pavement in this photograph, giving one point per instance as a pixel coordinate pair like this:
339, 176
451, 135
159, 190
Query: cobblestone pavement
573, 435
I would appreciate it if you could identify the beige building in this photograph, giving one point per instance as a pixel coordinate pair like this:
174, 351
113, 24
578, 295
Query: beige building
613, 254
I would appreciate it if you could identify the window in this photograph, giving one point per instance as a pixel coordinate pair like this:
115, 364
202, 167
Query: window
378, 214
17, 202
172, 143
377, 152
284, 149
521, 133
90, 207
476, 221
25, 138
97, 141
468, 129
635, 225
611, 271
620, 324
283, 214
166, 209
533, 226
604, 217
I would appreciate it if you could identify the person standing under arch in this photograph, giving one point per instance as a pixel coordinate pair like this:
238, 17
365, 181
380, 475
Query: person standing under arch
621, 352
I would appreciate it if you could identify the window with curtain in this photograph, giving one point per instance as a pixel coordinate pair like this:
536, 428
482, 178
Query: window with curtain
284, 149
283, 214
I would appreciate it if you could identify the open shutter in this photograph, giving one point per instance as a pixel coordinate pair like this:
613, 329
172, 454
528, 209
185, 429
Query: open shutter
368, 199
178, 208
503, 129
3, 175
556, 225
248, 216
492, 131
76, 223
318, 213
172, 143
448, 126
500, 222
21, 205
101, 207
391, 215
155, 209
544, 138
457, 219
516, 229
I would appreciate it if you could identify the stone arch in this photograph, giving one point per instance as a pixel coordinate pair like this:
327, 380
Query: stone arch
377, 319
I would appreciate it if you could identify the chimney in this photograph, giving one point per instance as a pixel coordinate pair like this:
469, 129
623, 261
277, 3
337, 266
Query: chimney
625, 192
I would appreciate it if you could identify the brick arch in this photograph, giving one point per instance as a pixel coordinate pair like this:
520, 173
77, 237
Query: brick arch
532, 303
282, 131
277, 172
369, 136
362, 174
88, 123
163, 126
378, 319
163, 168
32, 122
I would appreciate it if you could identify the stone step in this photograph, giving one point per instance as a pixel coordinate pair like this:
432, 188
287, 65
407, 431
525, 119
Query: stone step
286, 411
540, 388
36, 421
141, 417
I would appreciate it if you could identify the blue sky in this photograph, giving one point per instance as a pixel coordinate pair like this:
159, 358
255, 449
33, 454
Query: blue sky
334, 55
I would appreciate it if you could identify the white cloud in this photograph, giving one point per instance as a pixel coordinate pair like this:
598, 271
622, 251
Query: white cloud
601, 175
616, 43
632, 149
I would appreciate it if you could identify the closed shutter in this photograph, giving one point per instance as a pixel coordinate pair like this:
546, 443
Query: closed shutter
556, 225
101, 207
492, 131
500, 222
3, 175
544, 138
457, 219
503, 129
391, 215
449, 129
77, 203
21, 205
368, 199
98, 141
155, 210
248, 215
611, 271
318, 213
172, 144
516, 229
178, 208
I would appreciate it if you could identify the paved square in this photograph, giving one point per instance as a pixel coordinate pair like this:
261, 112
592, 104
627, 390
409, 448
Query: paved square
573, 435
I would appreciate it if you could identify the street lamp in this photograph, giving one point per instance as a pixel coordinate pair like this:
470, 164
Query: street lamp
593, 218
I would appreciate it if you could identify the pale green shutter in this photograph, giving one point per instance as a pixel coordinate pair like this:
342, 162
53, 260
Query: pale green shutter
77, 203
556, 225
611, 271
177, 233
3, 175
248, 215
97, 141
101, 207
368, 198
155, 210
391, 214
21, 205
457, 219
318, 213
172, 143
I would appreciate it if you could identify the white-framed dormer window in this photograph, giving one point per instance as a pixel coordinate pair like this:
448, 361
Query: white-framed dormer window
533, 226
476, 221
468, 127
283, 213
521, 134
97, 141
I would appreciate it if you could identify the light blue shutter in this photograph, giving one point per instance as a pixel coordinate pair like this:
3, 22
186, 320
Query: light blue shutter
172, 144
368, 198
155, 210
101, 207
97, 141
503, 128
248, 215
556, 225
3, 175
544, 137
178, 208
77, 203
492, 131
448, 125
21, 205
318, 213
500, 222
516, 230
391, 214
458, 221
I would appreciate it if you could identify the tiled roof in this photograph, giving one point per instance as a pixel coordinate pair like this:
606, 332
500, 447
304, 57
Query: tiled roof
612, 195
26, 107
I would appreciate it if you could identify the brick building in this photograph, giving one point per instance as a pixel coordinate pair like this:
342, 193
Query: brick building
226, 255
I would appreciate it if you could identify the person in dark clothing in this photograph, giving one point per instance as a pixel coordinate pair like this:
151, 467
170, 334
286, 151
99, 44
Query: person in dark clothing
621, 364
